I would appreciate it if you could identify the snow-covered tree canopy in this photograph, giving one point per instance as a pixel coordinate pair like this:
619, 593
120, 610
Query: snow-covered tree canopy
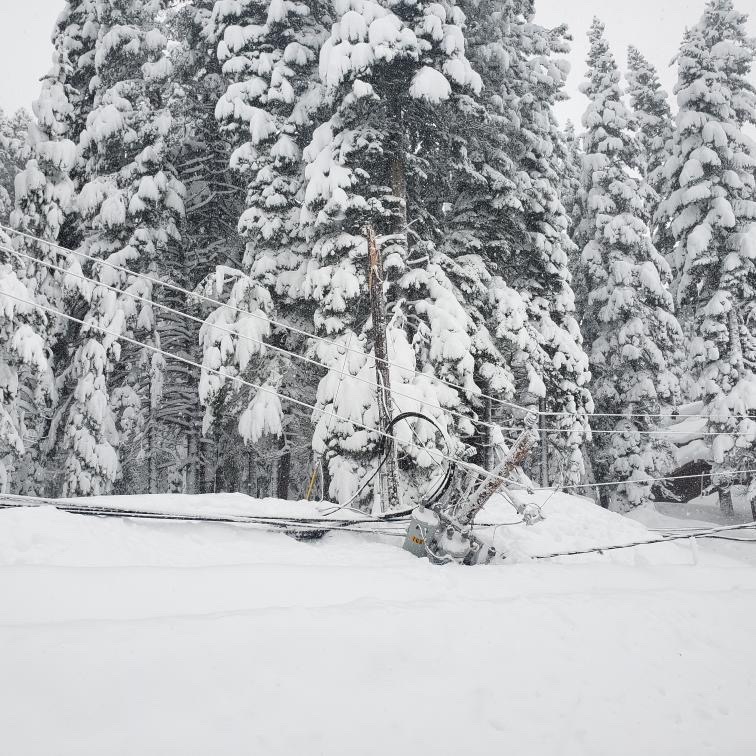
629, 318
711, 209
295, 169
652, 113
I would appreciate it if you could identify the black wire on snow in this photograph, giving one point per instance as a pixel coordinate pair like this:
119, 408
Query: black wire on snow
71, 506
712, 533
433, 496
385, 445
288, 524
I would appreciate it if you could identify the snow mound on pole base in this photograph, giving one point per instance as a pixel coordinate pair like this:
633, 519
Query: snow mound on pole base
571, 523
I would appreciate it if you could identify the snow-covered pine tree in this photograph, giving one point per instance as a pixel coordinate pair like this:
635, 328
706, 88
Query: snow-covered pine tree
654, 125
12, 139
456, 183
653, 116
268, 55
524, 156
45, 196
571, 198
36, 390
44, 202
712, 212
570, 180
394, 74
629, 321
484, 222
22, 362
214, 201
540, 269
130, 206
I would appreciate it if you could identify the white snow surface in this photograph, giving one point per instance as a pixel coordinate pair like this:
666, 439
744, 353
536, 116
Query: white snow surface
140, 637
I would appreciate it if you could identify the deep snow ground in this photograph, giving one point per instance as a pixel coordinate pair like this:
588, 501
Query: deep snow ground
138, 638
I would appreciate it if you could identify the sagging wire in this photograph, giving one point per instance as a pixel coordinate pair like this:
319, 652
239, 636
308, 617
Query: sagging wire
236, 378
305, 524
309, 335
711, 532
317, 363
355, 423
718, 473
385, 448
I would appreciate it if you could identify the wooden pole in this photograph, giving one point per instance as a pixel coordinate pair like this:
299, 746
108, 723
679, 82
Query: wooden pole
544, 446
389, 478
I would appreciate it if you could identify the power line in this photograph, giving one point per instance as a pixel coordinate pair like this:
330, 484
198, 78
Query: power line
710, 533
462, 463
653, 480
307, 334
318, 526
372, 384
258, 387
218, 303
301, 526
247, 337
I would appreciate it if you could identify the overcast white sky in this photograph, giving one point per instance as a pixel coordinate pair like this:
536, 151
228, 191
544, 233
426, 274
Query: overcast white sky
654, 26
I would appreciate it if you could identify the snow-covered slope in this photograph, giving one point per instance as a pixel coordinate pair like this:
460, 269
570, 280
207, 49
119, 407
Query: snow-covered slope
140, 637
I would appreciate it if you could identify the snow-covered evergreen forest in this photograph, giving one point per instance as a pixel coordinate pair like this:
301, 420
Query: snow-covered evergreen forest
186, 253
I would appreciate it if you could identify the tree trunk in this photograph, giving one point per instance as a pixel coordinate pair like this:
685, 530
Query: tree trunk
209, 463
486, 437
602, 495
326, 479
250, 473
389, 472
152, 461
283, 471
725, 502
544, 445
736, 347
192, 464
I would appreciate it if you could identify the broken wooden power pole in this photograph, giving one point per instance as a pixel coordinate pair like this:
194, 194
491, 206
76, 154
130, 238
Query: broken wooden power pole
389, 476
516, 456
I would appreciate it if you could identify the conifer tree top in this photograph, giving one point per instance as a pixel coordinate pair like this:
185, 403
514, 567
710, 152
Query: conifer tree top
714, 64
643, 86
607, 120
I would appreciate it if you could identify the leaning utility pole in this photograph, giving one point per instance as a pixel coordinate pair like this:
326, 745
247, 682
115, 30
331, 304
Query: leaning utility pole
389, 478
517, 454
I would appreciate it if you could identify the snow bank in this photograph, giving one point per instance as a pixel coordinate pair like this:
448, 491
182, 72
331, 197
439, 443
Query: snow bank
141, 637
218, 505
572, 523
44, 535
